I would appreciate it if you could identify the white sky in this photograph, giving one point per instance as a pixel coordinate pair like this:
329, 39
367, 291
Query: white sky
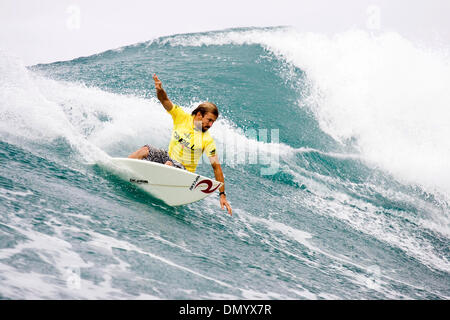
52, 30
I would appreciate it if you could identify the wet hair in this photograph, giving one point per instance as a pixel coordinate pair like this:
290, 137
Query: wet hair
206, 107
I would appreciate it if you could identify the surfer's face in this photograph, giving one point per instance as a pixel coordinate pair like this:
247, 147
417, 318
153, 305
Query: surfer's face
206, 121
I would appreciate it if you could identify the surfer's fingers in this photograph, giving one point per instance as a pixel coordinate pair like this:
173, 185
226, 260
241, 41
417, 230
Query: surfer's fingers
227, 205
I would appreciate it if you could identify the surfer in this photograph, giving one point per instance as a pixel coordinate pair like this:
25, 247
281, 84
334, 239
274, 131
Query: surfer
190, 138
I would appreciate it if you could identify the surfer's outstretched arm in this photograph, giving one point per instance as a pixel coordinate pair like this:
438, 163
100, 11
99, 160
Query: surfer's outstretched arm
161, 94
219, 177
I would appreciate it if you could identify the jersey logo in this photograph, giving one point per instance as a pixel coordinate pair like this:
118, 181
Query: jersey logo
209, 185
181, 141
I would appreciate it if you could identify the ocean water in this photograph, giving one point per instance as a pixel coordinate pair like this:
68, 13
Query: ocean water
335, 151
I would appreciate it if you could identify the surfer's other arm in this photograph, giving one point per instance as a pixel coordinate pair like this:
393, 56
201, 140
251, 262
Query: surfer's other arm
161, 94
219, 177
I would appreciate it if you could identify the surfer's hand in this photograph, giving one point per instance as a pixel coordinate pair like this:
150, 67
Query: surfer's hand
161, 94
158, 83
224, 202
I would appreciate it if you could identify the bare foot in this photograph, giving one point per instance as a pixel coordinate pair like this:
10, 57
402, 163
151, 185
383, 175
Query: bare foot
169, 163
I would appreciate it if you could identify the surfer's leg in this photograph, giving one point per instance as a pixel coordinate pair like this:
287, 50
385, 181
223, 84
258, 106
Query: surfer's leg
176, 164
169, 161
153, 154
165, 158
140, 153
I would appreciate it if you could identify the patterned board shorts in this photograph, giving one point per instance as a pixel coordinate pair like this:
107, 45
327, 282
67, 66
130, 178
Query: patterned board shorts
161, 156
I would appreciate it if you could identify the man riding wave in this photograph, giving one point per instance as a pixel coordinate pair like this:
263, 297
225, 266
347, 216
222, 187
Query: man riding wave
190, 138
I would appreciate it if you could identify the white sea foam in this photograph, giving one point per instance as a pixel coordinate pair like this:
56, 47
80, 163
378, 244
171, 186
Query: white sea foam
377, 282
63, 257
59, 253
367, 218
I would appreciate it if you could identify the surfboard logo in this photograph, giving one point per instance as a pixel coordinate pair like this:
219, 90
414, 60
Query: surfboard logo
209, 185
138, 181
193, 183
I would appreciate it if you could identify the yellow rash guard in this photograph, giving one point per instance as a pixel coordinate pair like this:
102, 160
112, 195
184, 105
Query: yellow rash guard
187, 143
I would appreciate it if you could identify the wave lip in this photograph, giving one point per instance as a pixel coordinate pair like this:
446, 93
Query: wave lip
382, 91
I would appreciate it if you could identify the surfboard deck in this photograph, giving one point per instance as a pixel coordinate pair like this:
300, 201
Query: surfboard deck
172, 185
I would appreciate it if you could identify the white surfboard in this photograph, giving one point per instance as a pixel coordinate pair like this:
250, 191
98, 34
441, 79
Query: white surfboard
172, 185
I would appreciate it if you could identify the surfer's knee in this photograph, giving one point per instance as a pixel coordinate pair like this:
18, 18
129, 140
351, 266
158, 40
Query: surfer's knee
140, 153
144, 152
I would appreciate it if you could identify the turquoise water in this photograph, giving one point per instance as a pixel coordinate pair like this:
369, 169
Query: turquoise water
355, 205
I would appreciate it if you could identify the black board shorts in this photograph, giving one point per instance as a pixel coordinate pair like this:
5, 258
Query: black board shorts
161, 156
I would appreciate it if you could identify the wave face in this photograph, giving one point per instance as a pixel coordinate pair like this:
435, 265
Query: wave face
335, 152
